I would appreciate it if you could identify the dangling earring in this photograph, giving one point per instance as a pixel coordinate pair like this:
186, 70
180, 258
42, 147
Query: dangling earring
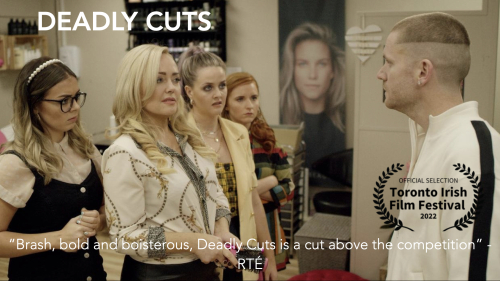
39, 118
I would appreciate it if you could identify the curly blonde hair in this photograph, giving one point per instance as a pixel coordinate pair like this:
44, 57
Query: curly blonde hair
135, 84
31, 140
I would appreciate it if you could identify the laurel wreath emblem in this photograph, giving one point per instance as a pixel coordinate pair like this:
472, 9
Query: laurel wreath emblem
471, 215
389, 220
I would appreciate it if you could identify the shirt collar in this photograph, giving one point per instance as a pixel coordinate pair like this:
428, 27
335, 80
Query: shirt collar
63, 144
456, 115
169, 151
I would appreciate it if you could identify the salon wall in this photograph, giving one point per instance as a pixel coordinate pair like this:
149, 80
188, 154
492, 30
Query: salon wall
100, 54
252, 43
28, 10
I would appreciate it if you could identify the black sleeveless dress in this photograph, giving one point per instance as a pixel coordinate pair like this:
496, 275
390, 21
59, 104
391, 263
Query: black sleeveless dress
49, 208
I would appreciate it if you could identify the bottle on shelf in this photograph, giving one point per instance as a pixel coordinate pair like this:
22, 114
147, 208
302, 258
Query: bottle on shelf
18, 57
17, 27
11, 27
34, 28
28, 28
25, 53
206, 6
23, 27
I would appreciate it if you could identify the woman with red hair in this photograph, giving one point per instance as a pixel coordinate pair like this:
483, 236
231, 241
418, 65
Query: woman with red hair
275, 186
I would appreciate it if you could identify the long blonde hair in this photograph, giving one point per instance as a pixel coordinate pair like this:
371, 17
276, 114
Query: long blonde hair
291, 106
30, 138
135, 84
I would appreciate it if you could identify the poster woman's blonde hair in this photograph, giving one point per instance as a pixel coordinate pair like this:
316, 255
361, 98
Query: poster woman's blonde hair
291, 107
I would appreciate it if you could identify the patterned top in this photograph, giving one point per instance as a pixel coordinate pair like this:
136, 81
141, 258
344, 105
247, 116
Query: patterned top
267, 165
143, 204
274, 164
227, 179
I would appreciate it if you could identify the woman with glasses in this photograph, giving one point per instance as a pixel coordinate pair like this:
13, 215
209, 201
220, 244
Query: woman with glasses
51, 194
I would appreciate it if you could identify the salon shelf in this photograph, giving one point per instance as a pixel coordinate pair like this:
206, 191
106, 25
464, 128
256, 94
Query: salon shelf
3, 52
292, 212
9, 42
213, 39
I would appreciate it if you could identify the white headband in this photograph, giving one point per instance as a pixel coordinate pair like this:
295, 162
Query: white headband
41, 67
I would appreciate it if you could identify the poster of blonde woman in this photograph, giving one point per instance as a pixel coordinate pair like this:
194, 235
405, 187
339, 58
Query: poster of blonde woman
312, 76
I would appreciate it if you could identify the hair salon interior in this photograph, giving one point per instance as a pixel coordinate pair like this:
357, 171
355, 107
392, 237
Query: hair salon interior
248, 37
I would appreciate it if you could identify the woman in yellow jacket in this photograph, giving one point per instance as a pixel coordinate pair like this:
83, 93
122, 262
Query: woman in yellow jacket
204, 78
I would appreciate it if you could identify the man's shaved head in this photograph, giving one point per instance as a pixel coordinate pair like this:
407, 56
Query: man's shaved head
440, 38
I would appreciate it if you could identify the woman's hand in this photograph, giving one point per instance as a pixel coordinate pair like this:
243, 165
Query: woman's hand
271, 272
75, 232
233, 240
266, 184
221, 257
228, 237
90, 219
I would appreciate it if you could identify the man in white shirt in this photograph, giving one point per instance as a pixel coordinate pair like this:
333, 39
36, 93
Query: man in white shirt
426, 61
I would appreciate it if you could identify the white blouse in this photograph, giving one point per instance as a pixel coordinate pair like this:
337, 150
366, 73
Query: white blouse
17, 180
142, 203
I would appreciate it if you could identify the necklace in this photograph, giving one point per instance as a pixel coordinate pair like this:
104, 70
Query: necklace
211, 134
218, 149
217, 141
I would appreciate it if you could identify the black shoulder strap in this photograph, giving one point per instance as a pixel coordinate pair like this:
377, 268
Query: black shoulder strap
479, 256
33, 169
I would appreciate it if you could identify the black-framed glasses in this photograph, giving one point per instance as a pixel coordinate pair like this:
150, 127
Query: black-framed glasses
67, 103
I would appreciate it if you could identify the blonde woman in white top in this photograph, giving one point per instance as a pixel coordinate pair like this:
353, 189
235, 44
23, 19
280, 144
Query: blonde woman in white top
163, 201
